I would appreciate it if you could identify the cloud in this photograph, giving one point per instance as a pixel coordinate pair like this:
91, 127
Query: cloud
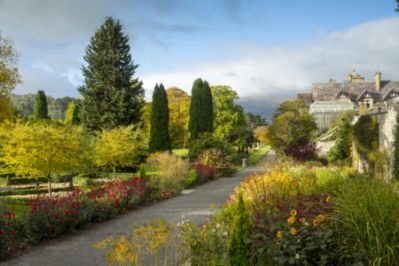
287, 69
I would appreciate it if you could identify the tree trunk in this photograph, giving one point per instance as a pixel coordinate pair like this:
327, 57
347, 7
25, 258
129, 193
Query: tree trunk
49, 184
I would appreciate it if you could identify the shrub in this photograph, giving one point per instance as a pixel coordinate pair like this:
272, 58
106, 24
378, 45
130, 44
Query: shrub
216, 159
52, 216
10, 231
83, 181
302, 152
172, 171
205, 141
240, 252
192, 178
204, 173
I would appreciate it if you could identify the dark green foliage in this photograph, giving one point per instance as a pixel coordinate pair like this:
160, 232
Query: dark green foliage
254, 120
159, 131
365, 133
240, 244
203, 142
342, 148
111, 96
201, 109
396, 152
41, 111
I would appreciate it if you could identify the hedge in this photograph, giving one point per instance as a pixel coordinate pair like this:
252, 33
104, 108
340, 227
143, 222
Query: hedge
19, 192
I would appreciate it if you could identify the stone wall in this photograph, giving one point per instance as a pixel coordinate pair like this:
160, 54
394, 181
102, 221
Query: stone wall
387, 125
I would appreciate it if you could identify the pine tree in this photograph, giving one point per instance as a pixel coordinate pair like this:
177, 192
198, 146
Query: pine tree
111, 96
395, 173
159, 131
201, 109
40, 111
72, 114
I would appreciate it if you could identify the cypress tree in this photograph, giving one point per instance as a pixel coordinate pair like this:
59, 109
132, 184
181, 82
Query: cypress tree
201, 109
395, 172
40, 110
111, 96
159, 130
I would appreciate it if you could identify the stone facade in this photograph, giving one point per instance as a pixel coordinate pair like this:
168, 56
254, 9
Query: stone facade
328, 99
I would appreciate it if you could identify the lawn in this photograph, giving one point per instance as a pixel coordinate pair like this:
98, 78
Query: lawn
257, 153
180, 152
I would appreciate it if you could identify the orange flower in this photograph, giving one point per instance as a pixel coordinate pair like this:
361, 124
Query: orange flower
293, 212
279, 234
293, 231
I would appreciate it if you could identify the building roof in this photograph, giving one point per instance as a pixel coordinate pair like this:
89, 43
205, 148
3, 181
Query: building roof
329, 91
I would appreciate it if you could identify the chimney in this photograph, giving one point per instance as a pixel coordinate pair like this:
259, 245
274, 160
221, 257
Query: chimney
377, 78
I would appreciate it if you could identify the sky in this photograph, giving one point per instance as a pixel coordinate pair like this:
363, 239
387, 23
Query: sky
267, 50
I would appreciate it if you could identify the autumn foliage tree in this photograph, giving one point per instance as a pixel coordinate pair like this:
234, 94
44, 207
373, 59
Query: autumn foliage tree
119, 147
179, 106
9, 76
42, 149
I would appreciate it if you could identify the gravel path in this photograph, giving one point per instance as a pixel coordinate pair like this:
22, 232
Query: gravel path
194, 205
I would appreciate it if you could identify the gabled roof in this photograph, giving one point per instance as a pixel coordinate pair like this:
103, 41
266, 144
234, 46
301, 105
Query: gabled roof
377, 96
328, 91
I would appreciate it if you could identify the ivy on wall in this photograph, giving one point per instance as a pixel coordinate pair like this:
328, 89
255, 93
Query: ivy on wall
366, 138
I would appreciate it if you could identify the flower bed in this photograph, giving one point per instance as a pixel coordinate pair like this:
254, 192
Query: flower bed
50, 217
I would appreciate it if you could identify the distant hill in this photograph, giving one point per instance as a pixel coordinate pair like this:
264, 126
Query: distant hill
56, 106
261, 105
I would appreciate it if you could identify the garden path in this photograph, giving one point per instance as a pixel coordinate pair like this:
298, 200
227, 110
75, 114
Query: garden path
195, 205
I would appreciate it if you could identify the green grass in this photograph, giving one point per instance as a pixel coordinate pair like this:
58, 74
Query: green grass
180, 152
256, 155
20, 206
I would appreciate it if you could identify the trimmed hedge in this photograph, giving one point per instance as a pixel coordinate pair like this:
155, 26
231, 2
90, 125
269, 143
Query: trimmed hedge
20, 192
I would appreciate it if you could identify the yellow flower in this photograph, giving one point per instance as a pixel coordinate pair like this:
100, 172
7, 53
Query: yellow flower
328, 199
293, 231
293, 213
302, 220
321, 217
291, 220
316, 222
279, 234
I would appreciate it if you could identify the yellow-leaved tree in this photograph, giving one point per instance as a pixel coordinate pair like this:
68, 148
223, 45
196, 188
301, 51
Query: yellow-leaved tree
122, 146
42, 149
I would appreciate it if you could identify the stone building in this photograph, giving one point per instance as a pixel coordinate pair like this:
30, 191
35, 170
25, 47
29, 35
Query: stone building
328, 99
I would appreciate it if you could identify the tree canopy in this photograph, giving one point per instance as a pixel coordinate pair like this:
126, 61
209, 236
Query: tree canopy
41, 109
159, 131
179, 106
119, 147
201, 109
292, 127
42, 149
111, 95
9, 77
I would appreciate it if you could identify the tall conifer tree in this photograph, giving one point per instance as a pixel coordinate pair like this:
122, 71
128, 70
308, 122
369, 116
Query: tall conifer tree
41, 110
159, 131
111, 96
201, 109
